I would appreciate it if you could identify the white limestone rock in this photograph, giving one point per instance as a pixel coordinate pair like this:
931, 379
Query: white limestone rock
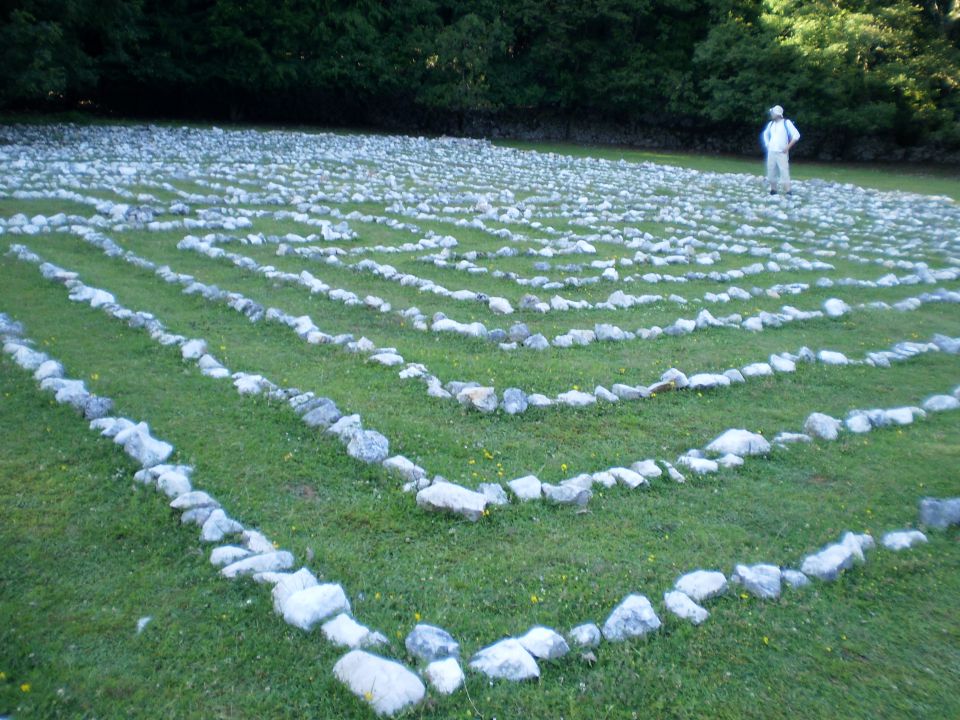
256, 542
603, 478
227, 555
633, 617
405, 468
739, 442
527, 487
701, 466
858, 422
858, 543
173, 484
345, 428
676, 378
762, 581
494, 493
673, 473
795, 578
760, 369
515, 401
544, 643
506, 660
629, 392
903, 539
194, 499
368, 446
193, 349
683, 607
828, 563
782, 365
197, 515
939, 514
822, 426
903, 415
251, 384
146, 450
707, 381
448, 497
483, 399
576, 398
48, 369
500, 306
630, 478
429, 643
389, 359
734, 375
386, 685
834, 308
289, 583
445, 676
604, 395
218, 525
566, 494
314, 604
585, 636
831, 357
730, 461
648, 468
344, 631
267, 562
584, 481
702, 585
941, 403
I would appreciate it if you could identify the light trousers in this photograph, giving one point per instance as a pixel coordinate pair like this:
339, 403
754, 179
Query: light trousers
778, 165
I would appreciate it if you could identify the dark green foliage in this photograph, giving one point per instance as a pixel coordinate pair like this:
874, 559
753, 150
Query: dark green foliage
844, 68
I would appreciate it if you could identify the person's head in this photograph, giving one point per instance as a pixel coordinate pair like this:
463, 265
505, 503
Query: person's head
776, 112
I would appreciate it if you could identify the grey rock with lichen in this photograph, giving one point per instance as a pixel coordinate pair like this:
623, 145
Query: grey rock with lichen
940, 514
428, 643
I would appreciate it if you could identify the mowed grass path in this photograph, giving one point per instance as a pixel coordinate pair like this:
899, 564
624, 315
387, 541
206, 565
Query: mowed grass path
88, 553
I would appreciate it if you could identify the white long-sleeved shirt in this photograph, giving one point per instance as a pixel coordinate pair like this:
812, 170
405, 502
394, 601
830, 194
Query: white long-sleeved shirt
778, 134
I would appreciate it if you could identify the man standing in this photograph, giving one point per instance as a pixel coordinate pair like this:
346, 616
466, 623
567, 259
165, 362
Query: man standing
778, 137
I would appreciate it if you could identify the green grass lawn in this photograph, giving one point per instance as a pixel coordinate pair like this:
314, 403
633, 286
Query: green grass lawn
88, 552
922, 179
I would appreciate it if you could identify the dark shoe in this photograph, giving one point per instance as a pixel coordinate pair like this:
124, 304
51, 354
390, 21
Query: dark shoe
773, 192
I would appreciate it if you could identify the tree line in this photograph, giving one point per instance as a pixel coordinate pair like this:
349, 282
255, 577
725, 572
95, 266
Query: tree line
847, 67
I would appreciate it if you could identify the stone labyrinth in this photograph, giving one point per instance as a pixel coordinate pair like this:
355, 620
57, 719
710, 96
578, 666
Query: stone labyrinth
461, 270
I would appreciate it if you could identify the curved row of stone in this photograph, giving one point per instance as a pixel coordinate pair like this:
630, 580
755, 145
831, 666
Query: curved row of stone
515, 400
298, 597
583, 212
436, 493
127, 216
520, 336
316, 411
618, 300
385, 684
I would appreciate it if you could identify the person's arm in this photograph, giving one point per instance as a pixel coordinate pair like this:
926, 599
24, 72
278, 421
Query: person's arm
794, 135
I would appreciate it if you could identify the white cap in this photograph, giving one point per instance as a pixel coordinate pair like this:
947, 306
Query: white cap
776, 111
